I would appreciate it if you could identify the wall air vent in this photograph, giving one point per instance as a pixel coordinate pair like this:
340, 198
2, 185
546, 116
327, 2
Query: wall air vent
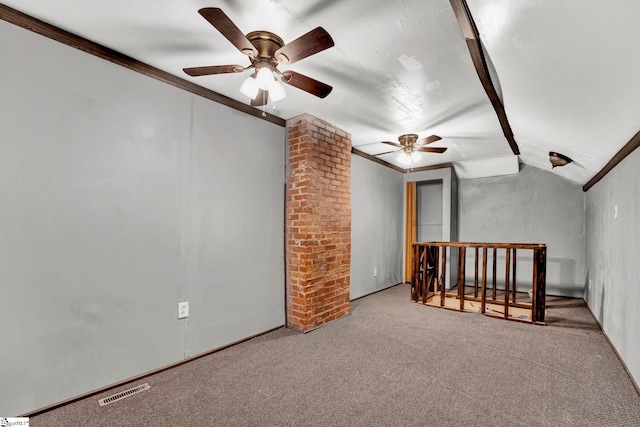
123, 394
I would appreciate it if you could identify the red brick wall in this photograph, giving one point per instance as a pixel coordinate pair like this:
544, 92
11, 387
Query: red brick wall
318, 226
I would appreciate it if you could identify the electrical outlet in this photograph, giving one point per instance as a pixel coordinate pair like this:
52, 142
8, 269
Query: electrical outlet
375, 272
183, 310
615, 211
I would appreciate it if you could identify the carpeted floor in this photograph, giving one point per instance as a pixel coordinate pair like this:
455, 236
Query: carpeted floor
392, 362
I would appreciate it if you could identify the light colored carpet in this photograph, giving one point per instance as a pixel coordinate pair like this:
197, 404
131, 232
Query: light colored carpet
392, 362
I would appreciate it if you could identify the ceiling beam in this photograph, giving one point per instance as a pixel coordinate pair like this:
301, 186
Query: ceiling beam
375, 159
628, 148
429, 168
54, 33
472, 36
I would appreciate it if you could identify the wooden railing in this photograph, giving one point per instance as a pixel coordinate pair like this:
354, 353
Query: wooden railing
493, 294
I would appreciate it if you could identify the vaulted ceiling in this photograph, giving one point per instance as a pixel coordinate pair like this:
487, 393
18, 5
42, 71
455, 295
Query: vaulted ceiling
566, 73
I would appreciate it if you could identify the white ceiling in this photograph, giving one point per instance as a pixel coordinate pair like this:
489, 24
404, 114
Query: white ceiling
568, 71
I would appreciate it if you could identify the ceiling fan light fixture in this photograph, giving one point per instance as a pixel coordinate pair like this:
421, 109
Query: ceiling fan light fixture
558, 159
250, 87
404, 159
276, 92
407, 158
266, 51
265, 78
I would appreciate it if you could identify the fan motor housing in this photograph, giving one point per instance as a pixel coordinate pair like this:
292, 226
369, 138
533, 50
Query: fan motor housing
266, 43
408, 139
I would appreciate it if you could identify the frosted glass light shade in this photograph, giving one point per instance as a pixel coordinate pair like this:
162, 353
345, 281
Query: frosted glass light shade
408, 158
250, 87
276, 92
265, 78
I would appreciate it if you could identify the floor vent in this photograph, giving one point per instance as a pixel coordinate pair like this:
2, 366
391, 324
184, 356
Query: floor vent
123, 394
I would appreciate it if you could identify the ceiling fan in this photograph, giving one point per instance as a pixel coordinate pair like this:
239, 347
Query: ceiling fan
410, 145
266, 51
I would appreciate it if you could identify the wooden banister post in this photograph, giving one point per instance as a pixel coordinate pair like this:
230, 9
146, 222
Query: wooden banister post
495, 270
424, 283
513, 275
506, 283
414, 278
475, 277
539, 283
443, 278
436, 267
483, 304
462, 254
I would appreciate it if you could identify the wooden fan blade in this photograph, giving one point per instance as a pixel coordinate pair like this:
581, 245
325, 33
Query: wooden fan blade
386, 152
308, 44
262, 98
307, 84
432, 149
213, 69
429, 140
227, 28
392, 143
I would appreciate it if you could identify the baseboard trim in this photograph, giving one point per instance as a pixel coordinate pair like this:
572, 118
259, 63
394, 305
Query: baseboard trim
142, 376
319, 326
379, 290
615, 350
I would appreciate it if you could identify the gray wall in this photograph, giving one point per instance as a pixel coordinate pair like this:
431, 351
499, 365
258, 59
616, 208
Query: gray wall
376, 226
534, 206
122, 196
613, 245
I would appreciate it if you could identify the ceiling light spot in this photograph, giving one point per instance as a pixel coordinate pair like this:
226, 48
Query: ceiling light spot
411, 63
434, 86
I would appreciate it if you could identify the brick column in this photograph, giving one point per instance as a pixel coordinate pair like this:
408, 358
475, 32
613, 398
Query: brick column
318, 226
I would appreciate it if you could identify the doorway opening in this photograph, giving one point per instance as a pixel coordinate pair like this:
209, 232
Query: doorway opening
424, 217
